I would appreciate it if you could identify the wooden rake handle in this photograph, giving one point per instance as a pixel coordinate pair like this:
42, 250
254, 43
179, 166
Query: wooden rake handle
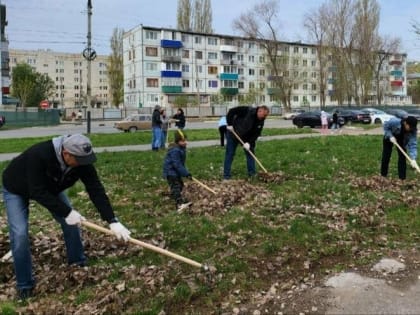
405, 154
203, 185
145, 245
249, 151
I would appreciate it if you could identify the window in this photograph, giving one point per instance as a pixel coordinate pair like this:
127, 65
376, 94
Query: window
212, 41
241, 84
262, 85
185, 53
185, 38
313, 50
152, 82
151, 66
313, 86
199, 69
212, 70
152, 97
241, 71
151, 51
151, 35
186, 83
262, 59
313, 98
198, 55
212, 55
212, 83
305, 86
295, 62
251, 58
313, 75
305, 50
295, 86
185, 68
313, 63
197, 39
251, 72
305, 62
251, 45
295, 50
262, 72
295, 98
251, 85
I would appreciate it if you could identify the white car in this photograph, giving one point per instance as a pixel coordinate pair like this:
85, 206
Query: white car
293, 113
378, 116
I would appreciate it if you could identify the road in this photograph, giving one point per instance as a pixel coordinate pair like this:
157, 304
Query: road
107, 127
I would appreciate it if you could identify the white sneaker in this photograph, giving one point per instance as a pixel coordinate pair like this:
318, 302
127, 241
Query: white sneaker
181, 207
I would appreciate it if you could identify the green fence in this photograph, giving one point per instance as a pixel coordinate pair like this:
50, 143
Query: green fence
47, 117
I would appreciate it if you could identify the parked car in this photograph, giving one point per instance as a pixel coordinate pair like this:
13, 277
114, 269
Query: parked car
414, 112
293, 113
353, 116
313, 119
400, 113
135, 122
378, 116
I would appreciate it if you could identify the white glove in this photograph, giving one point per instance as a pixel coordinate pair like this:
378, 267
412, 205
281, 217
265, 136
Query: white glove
393, 140
120, 231
413, 164
230, 128
74, 217
246, 146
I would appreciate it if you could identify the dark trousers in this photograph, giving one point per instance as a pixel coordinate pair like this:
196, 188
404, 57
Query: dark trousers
231, 144
222, 132
176, 185
386, 157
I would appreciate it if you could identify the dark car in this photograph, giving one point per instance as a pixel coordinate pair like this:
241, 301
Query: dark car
353, 116
313, 119
414, 112
400, 113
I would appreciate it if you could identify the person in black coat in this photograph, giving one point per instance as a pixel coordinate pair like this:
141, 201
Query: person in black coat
247, 123
179, 118
42, 173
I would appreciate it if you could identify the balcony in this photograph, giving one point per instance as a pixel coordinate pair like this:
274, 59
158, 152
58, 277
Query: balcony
228, 62
171, 58
396, 73
166, 43
273, 91
229, 91
228, 76
171, 89
170, 74
229, 48
274, 78
396, 83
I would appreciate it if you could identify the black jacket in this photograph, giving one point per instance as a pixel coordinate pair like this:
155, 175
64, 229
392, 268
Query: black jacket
245, 123
36, 174
156, 121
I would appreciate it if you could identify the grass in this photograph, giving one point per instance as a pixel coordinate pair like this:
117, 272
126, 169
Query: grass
330, 203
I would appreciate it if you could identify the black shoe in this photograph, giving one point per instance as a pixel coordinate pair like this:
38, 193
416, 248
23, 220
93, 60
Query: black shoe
24, 294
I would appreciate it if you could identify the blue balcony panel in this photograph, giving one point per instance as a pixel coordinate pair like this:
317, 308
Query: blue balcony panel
171, 74
166, 43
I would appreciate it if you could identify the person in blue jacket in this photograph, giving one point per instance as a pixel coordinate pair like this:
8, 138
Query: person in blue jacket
174, 169
404, 132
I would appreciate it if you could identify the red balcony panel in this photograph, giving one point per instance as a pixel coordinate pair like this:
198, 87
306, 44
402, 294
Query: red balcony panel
395, 62
396, 83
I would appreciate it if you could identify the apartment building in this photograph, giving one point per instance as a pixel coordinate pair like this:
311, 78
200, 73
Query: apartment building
161, 65
69, 73
4, 54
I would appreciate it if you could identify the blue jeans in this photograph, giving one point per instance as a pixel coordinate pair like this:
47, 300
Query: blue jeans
231, 144
17, 216
164, 134
156, 137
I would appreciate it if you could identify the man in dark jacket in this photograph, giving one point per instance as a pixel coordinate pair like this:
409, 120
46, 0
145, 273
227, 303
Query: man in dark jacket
42, 173
247, 123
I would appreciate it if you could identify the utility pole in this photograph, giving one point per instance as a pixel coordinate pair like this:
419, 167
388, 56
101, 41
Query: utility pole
89, 54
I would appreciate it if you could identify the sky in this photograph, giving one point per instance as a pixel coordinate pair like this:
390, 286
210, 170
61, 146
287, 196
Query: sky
61, 25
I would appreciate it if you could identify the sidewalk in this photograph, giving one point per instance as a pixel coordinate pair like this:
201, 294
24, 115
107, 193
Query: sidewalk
207, 143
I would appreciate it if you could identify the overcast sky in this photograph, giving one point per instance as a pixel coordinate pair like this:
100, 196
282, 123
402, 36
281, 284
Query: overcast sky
61, 25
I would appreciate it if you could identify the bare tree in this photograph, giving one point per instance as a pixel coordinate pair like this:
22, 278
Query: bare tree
115, 67
195, 15
184, 15
262, 24
315, 24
